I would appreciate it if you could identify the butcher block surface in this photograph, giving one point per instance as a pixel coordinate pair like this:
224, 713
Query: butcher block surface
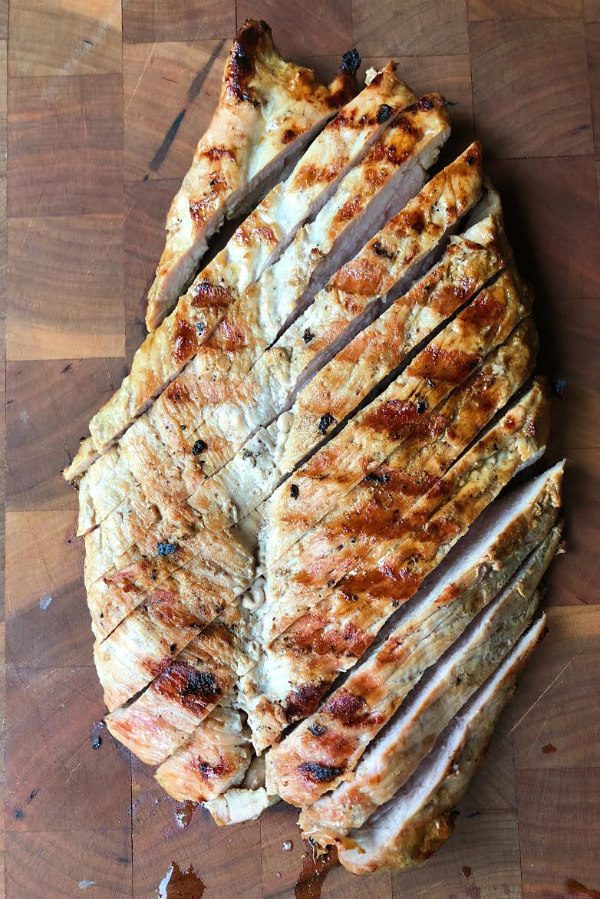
101, 109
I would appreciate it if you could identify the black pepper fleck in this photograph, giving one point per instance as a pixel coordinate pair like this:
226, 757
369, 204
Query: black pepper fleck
307, 336
325, 422
96, 742
294, 491
351, 61
375, 478
384, 112
166, 549
422, 406
199, 447
559, 387
317, 730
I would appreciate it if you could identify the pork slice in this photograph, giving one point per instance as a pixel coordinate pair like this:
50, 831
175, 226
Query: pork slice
300, 664
418, 819
429, 707
333, 547
254, 245
341, 385
265, 116
215, 758
390, 173
369, 438
474, 571
161, 719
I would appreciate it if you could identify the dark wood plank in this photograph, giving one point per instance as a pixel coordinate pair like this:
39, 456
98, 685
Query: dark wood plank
177, 20
314, 29
170, 93
57, 781
65, 140
47, 619
549, 720
48, 407
483, 10
593, 55
558, 831
530, 89
147, 203
553, 225
592, 10
66, 286
3, 104
70, 38
56, 865
410, 27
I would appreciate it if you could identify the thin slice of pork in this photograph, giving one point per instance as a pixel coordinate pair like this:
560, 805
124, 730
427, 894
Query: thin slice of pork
476, 570
268, 111
256, 243
162, 440
429, 707
418, 819
298, 667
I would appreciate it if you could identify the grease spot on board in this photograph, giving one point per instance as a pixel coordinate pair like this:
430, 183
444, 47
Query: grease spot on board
45, 601
184, 812
314, 871
576, 888
178, 884
86, 884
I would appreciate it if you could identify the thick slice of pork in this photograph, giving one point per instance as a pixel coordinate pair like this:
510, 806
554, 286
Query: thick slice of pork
268, 111
255, 244
391, 172
418, 819
298, 667
341, 385
471, 575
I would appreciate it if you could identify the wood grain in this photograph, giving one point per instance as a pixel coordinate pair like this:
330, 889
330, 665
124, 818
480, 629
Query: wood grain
93, 163
85, 39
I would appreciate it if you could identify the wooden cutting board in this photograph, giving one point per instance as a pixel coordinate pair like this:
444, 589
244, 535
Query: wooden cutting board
104, 108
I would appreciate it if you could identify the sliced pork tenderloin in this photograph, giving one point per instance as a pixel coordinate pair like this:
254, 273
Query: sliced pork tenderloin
341, 385
418, 819
475, 570
301, 663
428, 708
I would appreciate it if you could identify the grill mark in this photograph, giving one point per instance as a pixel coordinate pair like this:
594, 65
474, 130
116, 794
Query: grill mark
210, 296
185, 342
194, 689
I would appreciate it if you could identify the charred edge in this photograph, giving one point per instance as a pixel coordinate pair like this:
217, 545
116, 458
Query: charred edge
253, 38
350, 63
319, 773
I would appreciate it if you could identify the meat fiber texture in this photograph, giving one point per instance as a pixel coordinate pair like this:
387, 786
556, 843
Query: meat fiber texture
308, 575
